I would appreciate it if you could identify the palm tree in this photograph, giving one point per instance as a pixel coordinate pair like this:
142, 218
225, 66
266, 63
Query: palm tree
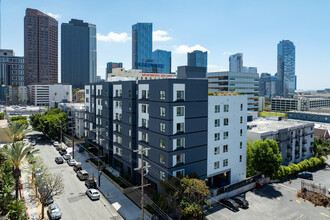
16, 155
17, 210
16, 131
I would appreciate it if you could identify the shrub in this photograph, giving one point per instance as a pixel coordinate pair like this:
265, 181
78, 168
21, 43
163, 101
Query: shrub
2, 115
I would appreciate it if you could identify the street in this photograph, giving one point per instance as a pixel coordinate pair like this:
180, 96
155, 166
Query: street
278, 201
73, 203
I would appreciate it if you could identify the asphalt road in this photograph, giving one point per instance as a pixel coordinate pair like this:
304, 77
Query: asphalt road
278, 201
74, 204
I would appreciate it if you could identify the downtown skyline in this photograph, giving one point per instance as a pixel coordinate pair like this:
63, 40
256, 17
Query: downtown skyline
223, 30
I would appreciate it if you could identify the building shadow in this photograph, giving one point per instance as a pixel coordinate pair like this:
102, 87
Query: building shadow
268, 191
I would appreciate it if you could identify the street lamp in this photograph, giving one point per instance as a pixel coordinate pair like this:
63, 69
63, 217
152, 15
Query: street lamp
98, 152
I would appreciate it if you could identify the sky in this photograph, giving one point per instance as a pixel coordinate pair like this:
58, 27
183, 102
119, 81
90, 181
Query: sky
221, 27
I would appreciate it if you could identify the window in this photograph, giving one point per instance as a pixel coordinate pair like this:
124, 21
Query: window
241, 107
216, 122
144, 109
161, 175
225, 148
240, 158
241, 120
225, 162
129, 93
240, 145
129, 106
87, 91
225, 122
162, 95
180, 143
144, 122
144, 94
217, 109
98, 92
179, 173
129, 132
162, 127
216, 150
180, 95
180, 127
162, 143
225, 135
180, 158
130, 145
87, 99
226, 108
144, 137
216, 165
179, 111
162, 111
241, 132
216, 136
162, 159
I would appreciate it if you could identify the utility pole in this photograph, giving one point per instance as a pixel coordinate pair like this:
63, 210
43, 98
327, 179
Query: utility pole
142, 150
98, 158
72, 139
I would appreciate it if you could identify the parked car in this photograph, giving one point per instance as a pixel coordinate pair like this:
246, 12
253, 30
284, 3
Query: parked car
25, 141
54, 211
241, 202
230, 203
63, 152
82, 175
67, 157
55, 143
77, 167
59, 160
38, 172
305, 175
71, 162
33, 143
58, 147
93, 194
52, 140
44, 191
90, 183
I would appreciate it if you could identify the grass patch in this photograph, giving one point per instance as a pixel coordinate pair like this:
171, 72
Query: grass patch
265, 114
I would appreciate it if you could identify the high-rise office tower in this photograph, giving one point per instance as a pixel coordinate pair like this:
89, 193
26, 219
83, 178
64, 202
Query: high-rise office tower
163, 58
0, 24
286, 59
78, 53
11, 69
236, 63
40, 48
110, 66
197, 58
142, 47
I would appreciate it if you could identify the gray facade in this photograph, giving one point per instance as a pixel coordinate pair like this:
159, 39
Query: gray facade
322, 116
197, 58
185, 72
78, 53
11, 68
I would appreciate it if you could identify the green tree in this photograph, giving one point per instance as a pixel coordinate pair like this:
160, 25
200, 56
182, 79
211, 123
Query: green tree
249, 167
16, 155
321, 148
17, 210
265, 157
16, 131
7, 183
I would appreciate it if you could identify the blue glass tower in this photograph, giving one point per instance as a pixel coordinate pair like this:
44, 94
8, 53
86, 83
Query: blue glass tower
163, 58
286, 59
197, 58
78, 53
142, 47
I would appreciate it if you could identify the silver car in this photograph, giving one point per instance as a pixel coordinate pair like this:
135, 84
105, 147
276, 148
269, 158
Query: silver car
93, 194
54, 211
72, 162
67, 157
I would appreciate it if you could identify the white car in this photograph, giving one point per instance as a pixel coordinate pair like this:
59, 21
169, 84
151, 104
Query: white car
33, 143
72, 162
55, 143
93, 194
67, 157
25, 141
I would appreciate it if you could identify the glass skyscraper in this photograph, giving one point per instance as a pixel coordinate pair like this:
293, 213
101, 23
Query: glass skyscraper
142, 47
197, 58
286, 59
78, 53
163, 59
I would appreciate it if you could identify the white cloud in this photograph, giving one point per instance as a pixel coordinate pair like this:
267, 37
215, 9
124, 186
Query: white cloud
227, 53
56, 16
160, 36
215, 68
186, 48
113, 37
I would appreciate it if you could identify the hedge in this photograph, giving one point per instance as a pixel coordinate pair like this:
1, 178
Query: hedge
2, 115
286, 171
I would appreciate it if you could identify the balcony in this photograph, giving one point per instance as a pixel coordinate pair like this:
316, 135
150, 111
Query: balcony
304, 149
289, 158
304, 141
297, 148
297, 143
289, 147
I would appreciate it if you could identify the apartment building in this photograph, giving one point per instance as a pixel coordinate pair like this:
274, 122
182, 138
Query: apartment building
49, 95
76, 115
299, 103
295, 138
169, 116
137, 74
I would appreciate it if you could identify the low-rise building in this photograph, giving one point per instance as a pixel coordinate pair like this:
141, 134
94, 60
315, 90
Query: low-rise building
299, 103
318, 115
76, 115
137, 74
49, 95
294, 138
80, 96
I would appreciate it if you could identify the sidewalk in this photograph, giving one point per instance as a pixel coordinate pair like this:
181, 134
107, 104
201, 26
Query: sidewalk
32, 210
117, 199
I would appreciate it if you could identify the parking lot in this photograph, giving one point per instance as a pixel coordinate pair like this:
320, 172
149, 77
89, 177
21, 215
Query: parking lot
73, 203
278, 201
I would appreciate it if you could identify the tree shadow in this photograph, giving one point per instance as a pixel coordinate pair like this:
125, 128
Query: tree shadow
268, 191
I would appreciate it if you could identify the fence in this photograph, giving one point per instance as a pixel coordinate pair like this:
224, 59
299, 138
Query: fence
313, 188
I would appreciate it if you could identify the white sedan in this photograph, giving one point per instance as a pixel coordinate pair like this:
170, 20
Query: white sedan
72, 162
93, 194
67, 157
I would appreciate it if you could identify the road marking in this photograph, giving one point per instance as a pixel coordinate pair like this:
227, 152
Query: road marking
292, 189
324, 214
299, 217
278, 198
298, 201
